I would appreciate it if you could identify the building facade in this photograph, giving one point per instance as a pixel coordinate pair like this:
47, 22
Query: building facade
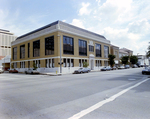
115, 51
6, 37
142, 59
125, 52
47, 45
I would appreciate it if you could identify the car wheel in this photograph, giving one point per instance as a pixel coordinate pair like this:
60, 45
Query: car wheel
31, 72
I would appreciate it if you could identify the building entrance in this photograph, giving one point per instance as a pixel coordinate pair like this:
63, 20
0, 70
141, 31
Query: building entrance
91, 61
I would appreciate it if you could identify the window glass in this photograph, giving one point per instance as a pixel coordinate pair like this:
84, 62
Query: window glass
22, 51
15, 53
106, 51
82, 47
36, 48
68, 46
98, 50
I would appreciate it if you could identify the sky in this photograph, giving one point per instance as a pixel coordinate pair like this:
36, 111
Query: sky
126, 23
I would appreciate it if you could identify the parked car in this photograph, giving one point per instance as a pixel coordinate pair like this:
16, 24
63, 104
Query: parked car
127, 66
82, 70
121, 67
13, 71
114, 68
31, 71
1, 71
134, 66
107, 68
146, 70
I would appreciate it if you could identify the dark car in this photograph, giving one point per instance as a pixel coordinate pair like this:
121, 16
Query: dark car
82, 70
127, 66
134, 66
107, 68
121, 67
146, 70
13, 71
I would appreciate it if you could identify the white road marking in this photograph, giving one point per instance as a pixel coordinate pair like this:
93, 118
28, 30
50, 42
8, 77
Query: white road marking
98, 105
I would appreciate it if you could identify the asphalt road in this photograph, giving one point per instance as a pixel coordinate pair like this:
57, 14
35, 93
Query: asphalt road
122, 94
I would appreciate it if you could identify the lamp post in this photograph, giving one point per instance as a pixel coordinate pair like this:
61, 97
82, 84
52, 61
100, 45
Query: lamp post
60, 55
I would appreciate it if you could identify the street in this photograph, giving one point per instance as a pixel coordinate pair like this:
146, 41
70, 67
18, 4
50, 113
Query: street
122, 94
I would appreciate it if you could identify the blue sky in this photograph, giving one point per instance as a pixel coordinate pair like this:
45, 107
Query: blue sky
126, 23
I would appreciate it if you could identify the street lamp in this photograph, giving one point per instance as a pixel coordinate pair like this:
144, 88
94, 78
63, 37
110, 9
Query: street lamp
60, 55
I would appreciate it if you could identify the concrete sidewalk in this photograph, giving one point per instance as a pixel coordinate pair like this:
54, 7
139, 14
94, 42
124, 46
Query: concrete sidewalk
59, 74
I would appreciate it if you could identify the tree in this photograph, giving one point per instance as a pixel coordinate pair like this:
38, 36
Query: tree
125, 59
133, 59
85, 64
111, 59
148, 52
34, 66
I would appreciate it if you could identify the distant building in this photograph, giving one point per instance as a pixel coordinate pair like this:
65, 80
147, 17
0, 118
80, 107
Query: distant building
6, 37
115, 51
142, 59
125, 52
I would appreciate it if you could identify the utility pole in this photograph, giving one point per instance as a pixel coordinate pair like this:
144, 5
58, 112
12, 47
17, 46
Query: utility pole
60, 55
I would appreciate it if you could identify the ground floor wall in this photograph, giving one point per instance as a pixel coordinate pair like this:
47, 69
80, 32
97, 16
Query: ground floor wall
52, 64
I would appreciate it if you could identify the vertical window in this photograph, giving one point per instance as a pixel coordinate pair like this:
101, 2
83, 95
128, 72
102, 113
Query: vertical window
28, 64
72, 63
64, 62
53, 63
49, 45
46, 63
36, 48
15, 53
22, 51
98, 50
28, 50
91, 48
68, 62
15, 65
39, 63
79, 62
106, 63
50, 63
116, 54
106, 51
68, 46
82, 47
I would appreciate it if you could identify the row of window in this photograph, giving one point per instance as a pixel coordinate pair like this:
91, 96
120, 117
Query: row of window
66, 63
68, 48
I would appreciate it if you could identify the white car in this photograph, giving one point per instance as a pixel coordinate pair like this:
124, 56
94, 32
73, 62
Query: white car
1, 71
31, 71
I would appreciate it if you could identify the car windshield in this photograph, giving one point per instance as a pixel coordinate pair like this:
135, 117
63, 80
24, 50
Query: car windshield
80, 68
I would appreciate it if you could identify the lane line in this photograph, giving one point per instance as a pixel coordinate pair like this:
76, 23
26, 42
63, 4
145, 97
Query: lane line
99, 104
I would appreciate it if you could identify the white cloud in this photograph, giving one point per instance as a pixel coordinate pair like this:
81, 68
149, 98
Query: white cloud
64, 20
125, 23
98, 1
139, 27
77, 23
85, 10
